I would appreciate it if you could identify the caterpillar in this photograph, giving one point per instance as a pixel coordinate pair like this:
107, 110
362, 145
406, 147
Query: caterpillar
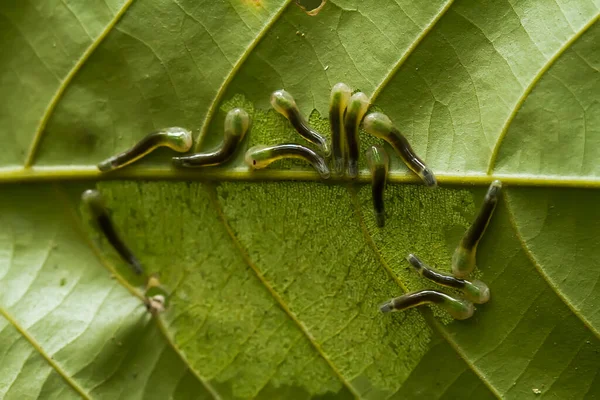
178, 139
378, 161
340, 94
237, 123
95, 203
260, 156
284, 103
476, 291
458, 308
464, 258
355, 111
380, 125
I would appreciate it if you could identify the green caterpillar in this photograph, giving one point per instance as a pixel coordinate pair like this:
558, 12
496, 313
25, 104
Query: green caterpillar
237, 123
458, 308
178, 139
379, 125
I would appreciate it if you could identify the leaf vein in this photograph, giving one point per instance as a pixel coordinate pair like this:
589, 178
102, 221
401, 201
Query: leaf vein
213, 196
538, 267
531, 86
221, 91
392, 72
41, 351
65, 83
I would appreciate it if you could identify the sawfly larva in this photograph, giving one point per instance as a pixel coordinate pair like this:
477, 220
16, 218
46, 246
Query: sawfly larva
355, 111
340, 94
178, 139
379, 125
458, 308
476, 291
378, 161
237, 122
94, 201
464, 258
261, 156
284, 103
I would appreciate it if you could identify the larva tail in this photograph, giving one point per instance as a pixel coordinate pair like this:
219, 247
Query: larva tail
386, 307
380, 219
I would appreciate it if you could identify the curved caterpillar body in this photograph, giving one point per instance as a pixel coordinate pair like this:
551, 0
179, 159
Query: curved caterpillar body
237, 122
355, 111
260, 156
378, 161
458, 308
95, 203
476, 291
379, 125
464, 258
284, 103
178, 139
340, 94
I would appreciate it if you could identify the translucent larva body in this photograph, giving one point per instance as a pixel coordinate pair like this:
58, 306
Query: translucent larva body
155, 304
237, 123
340, 94
464, 258
178, 139
355, 111
475, 291
378, 161
260, 156
458, 308
379, 125
95, 203
155, 297
284, 103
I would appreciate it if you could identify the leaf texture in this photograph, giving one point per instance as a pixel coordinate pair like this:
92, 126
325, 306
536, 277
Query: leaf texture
277, 277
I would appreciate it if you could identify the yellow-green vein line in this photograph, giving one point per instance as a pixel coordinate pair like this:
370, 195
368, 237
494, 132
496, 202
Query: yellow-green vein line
213, 196
392, 72
428, 317
538, 267
41, 351
65, 83
135, 292
530, 88
163, 329
88, 173
221, 91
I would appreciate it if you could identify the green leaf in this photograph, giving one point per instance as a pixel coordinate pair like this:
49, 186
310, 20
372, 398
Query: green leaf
276, 276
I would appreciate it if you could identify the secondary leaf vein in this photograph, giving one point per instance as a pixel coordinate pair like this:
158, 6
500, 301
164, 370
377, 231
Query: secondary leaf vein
530, 88
45, 355
538, 267
213, 196
65, 83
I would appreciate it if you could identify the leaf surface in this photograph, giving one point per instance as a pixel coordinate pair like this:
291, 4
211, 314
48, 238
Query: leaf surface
277, 277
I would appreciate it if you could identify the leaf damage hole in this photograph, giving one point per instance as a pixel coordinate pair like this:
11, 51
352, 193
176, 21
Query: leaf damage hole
311, 7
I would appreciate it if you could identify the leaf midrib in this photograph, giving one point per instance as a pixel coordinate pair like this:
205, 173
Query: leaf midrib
243, 174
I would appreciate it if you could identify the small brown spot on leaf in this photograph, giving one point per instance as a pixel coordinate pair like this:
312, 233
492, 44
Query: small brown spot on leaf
311, 7
256, 3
